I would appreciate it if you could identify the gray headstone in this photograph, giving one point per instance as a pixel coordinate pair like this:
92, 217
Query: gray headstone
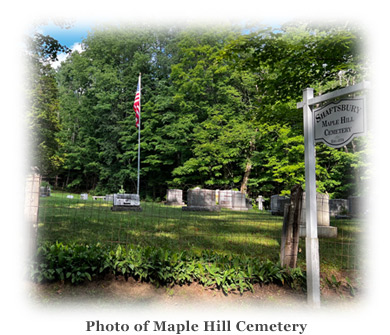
238, 201
277, 204
44, 191
225, 198
174, 197
201, 200
357, 206
338, 207
109, 198
126, 202
234, 200
248, 203
323, 217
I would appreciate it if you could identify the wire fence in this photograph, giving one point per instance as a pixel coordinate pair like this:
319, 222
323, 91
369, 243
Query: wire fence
221, 221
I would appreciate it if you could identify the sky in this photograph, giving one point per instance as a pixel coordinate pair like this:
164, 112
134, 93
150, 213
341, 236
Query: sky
80, 30
68, 37
72, 37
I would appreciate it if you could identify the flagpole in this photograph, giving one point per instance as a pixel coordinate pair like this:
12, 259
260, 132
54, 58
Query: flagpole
139, 133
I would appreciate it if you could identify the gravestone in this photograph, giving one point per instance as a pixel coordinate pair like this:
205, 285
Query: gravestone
44, 191
84, 196
338, 207
109, 198
357, 206
174, 197
126, 202
225, 198
277, 204
239, 202
260, 201
201, 200
234, 200
323, 217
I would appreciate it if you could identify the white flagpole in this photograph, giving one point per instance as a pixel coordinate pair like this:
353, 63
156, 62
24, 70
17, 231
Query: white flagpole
139, 133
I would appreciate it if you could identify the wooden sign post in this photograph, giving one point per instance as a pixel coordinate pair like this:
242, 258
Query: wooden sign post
335, 124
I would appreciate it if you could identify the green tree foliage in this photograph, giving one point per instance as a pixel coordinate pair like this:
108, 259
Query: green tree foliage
285, 62
218, 108
216, 100
43, 102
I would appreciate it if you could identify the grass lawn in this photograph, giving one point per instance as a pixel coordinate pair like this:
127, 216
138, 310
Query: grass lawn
253, 233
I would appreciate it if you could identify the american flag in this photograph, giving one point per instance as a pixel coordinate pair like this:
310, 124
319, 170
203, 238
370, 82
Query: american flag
137, 103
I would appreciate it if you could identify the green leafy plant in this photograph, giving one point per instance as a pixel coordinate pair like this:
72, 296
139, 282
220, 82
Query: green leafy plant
350, 286
77, 263
333, 282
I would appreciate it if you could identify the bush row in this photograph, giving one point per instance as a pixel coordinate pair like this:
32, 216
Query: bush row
76, 263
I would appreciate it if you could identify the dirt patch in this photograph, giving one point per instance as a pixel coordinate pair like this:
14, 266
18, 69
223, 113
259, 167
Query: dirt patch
109, 291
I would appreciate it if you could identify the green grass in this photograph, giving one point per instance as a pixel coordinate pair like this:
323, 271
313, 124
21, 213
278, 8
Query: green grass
251, 233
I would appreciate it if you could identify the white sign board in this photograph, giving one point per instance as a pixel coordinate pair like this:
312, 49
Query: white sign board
337, 123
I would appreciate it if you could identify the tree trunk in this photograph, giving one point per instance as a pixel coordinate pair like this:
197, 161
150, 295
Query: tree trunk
244, 184
248, 167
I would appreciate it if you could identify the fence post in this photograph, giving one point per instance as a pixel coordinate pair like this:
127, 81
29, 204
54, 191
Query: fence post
312, 253
290, 231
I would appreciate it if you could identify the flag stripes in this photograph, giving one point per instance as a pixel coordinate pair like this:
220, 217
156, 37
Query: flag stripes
137, 105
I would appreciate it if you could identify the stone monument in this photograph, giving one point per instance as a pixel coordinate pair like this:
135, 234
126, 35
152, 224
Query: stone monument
338, 207
234, 200
277, 204
201, 200
174, 197
323, 217
260, 201
109, 197
357, 206
225, 198
44, 191
126, 202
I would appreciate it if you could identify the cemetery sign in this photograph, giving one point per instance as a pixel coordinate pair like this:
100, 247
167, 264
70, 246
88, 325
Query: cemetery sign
337, 123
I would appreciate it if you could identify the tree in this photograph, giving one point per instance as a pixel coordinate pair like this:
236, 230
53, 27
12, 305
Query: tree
217, 101
285, 62
43, 114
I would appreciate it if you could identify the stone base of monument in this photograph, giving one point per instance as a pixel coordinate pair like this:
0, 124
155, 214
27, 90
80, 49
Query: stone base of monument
322, 231
126, 208
168, 203
202, 208
126, 202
